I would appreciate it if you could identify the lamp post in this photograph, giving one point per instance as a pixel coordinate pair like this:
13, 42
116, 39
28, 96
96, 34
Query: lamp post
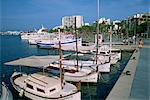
135, 27
97, 44
127, 30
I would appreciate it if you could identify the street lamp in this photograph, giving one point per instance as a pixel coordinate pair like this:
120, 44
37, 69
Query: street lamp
97, 43
127, 29
135, 17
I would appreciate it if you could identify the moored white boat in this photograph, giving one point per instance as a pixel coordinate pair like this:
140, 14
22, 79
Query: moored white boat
5, 92
83, 75
115, 54
33, 41
79, 74
42, 87
34, 35
71, 65
50, 43
26, 36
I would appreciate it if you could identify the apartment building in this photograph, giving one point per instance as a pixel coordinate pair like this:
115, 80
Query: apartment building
69, 21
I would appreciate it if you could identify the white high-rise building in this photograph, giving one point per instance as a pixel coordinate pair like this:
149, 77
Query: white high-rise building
69, 21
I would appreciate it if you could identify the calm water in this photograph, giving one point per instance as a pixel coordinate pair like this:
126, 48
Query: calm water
12, 47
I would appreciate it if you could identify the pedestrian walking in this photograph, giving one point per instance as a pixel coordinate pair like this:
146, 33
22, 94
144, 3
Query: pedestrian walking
141, 43
134, 38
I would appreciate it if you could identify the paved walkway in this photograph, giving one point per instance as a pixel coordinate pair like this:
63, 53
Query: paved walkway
122, 88
141, 83
134, 85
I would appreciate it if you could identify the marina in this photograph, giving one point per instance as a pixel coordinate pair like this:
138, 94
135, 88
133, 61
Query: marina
63, 72
103, 83
74, 50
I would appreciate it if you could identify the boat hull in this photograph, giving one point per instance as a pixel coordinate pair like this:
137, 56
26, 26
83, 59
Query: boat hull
75, 96
115, 58
32, 41
104, 67
90, 78
51, 44
5, 93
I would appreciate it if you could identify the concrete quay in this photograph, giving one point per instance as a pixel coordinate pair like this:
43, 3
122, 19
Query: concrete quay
128, 47
133, 83
122, 88
125, 47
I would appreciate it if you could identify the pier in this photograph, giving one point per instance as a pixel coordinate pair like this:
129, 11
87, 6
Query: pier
133, 83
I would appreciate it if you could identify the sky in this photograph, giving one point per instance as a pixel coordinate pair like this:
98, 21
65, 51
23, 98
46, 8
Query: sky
24, 15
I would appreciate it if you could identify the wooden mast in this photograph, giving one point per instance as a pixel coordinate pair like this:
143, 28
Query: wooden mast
60, 59
78, 84
76, 46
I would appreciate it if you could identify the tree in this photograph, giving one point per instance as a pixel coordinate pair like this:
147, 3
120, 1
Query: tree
142, 28
86, 32
51, 30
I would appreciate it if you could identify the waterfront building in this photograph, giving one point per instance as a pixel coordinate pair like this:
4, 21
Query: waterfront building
137, 20
141, 18
116, 25
69, 21
104, 21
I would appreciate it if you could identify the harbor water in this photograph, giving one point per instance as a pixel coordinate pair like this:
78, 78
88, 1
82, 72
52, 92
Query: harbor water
12, 47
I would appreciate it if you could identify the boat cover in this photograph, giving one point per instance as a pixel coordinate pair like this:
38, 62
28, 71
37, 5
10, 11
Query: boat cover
35, 61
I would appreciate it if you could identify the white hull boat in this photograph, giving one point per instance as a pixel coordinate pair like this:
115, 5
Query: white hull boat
55, 43
70, 65
114, 58
26, 36
33, 41
105, 67
82, 76
41, 87
115, 54
5, 93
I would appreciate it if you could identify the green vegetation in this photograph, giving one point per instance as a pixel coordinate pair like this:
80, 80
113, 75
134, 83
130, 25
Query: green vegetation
51, 30
128, 28
142, 28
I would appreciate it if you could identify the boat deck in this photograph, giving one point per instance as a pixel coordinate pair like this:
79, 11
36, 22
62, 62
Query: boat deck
20, 81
